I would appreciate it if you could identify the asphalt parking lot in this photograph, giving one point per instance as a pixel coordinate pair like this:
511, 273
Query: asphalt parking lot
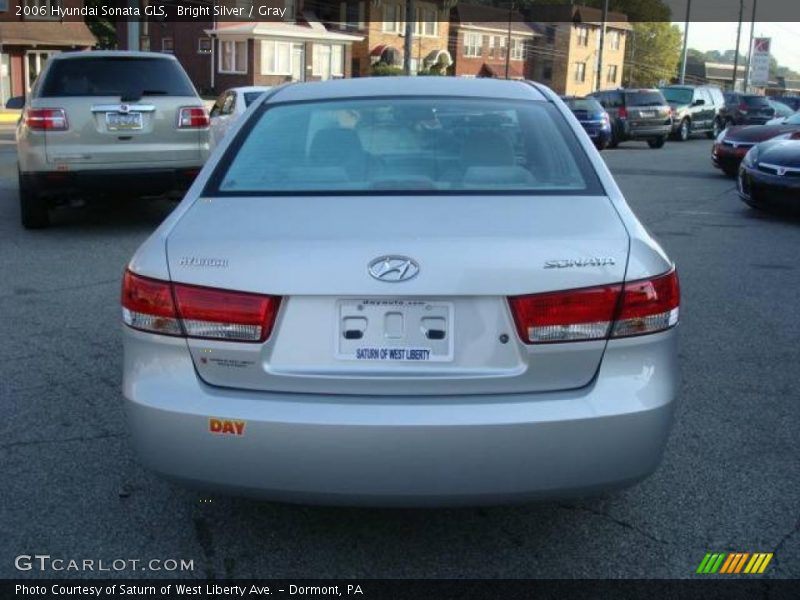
729, 481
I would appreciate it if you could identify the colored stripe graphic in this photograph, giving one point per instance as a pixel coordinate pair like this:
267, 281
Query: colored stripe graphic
734, 562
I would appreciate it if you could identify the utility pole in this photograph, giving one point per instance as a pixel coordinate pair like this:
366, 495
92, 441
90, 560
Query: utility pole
750, 47
738, 38
633, 58
508, 39
602, 44
409, 41
685, 41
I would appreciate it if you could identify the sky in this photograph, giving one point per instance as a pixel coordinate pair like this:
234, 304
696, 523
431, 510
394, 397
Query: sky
722, 36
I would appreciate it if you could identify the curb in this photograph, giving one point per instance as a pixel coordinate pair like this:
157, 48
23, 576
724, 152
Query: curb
10, 117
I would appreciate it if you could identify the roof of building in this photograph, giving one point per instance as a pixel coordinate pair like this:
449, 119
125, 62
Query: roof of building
489, 17
72, 34
367, 87
564, 13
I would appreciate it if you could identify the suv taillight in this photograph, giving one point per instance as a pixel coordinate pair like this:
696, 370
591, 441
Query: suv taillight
198, 312
46, 119
193, 117
616, 310
622, 112
743, 108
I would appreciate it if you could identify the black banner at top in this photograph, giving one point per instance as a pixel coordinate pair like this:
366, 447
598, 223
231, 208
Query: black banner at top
357, 13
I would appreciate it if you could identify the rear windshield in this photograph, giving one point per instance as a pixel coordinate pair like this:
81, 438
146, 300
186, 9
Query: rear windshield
250, 97
589, 105
644, 98
755, 101
678, 95
115, 76
396, 145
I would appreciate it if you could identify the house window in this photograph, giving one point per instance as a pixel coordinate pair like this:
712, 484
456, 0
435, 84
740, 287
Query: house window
425, 22
276, 58
204, 45
3, 5
517, 49
547, 70
580, 72
472, 44
232, 57
328, 61
550, 34
144, 43
167, 45
614, 39
583, 35
393, 17
611, 76
352, 14
491, 46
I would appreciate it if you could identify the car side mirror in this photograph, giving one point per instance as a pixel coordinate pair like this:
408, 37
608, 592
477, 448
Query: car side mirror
214, 111
15, 103
699, 102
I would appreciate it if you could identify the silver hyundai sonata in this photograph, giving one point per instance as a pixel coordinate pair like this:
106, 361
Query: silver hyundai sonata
402, 291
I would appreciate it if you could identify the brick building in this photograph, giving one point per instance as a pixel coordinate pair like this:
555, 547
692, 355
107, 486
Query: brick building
565, 55
382, 24
27, 42
484, 38
222, 54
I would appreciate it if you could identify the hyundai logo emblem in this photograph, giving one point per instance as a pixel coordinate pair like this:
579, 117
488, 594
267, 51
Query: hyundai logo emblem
781, 171
393, 269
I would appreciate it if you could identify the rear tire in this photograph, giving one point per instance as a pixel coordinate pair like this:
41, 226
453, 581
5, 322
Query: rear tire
716, 128
657, 142
34, 212
684, 130
614, 141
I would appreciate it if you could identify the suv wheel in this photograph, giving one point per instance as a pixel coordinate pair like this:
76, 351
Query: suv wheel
715, 129
33, 207
685, 130
657, 142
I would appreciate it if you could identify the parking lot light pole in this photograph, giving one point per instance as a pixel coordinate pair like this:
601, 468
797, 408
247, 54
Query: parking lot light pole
738, 39
602, 43
408, 47
750, 48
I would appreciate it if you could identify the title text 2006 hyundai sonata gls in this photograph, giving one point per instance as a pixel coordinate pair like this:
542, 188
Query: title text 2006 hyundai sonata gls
403, 292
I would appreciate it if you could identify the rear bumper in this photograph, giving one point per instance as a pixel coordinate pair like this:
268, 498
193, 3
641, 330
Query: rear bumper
641, 132
403, 451
122, 181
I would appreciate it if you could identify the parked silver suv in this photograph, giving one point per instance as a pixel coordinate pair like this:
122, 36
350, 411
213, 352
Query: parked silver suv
108, 122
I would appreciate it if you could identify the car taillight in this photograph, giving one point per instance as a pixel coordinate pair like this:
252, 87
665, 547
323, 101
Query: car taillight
192, 117
46, 119
622, 112
196, 312
617, 310
743, 108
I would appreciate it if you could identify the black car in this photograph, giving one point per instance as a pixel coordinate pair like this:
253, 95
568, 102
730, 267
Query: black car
746, 109
770, 173
593, 118
636, 114
695, 109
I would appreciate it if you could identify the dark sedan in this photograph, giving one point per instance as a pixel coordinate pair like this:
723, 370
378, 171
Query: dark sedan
770, 173
593, 118
733, 143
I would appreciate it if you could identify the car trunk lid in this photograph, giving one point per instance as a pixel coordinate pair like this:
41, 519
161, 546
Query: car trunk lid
472, 253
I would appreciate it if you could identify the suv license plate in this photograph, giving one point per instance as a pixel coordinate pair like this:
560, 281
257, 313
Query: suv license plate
648, 115
123, 122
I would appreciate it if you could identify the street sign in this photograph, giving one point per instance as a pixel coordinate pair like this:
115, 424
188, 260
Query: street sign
759, 62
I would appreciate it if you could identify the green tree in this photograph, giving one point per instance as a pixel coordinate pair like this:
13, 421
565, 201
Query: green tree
653, 53
103, 28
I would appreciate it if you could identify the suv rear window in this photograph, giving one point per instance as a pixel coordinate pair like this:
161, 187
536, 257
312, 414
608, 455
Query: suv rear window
754, 101
115, 76
644, 98
405, 145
